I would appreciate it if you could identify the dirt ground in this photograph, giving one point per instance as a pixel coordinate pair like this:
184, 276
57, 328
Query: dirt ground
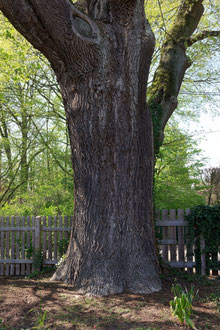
24, 302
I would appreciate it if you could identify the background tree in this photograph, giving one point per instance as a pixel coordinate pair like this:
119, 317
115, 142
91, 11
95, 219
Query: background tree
178, 171
101, 53
34, 141
211, 178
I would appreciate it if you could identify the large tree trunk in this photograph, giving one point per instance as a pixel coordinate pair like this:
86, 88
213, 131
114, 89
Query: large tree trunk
112, 246
103, 76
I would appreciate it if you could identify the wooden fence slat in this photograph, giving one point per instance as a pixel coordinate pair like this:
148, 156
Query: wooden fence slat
23, 246
180, 216
165, 235
49, 240
37, 239
7, 270
18, 246
44, 243
2, 246
12, 269
203, 261
28, 245
60, 236
37, 234
33, 233
55, 238
172, 235
66, 236
189, 250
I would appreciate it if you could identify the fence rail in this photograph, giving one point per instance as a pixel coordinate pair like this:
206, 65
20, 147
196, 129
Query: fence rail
20, 236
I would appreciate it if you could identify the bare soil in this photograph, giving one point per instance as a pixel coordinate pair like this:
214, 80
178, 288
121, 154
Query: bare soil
24, 301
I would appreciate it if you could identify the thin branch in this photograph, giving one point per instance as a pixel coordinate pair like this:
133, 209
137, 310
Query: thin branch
52, 153
201, 36
161, 12
12, 180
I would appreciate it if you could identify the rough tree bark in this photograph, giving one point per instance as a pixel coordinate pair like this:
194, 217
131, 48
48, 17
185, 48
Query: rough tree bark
101, 51
101, 56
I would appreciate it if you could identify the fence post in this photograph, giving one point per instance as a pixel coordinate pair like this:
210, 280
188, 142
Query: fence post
203, 261
37, 233
37, 245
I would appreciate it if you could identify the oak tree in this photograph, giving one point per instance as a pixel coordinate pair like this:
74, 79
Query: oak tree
101, 51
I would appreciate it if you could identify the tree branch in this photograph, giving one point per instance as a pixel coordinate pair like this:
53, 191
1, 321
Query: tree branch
173, 64
57, 28
201, 36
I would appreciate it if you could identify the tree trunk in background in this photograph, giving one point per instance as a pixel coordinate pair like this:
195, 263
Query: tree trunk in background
24, 175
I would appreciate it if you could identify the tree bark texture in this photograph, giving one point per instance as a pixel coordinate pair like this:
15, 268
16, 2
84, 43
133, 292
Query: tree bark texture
102, 62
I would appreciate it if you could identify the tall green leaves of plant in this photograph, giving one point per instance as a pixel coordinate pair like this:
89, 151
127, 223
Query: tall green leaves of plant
181, 305
177, 171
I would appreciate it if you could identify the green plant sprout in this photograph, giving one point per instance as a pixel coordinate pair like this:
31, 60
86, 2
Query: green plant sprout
40, 318
181, 305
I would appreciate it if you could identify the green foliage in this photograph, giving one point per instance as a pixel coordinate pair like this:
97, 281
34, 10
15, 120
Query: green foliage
29, 252
205, 221
35, 163
181, 305
34, 274
177, 171
62, 246
190, 278
45, 270
2, 326
37, 262
40, 318
47, 199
